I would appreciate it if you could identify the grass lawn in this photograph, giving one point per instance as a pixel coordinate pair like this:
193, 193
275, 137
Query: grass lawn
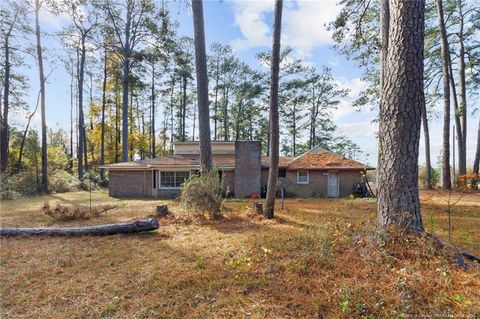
319, 259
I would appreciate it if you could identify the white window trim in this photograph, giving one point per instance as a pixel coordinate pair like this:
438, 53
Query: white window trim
298, 177
159, 174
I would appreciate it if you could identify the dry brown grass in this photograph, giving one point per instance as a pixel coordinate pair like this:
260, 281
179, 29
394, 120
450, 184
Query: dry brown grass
319, 258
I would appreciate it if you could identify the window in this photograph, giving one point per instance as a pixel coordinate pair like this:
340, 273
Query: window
302, 177
173, 179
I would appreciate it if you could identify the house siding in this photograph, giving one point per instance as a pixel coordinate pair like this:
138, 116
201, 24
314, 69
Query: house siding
347, 180
129, 183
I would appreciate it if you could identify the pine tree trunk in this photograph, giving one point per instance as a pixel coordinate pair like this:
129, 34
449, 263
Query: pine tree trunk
153, 113
399, 120
104, 102
125, 87
81, 123
44, 185
269, 206
462, 151
215, 104
184, 108
202, 86
4, 140
428, 163
476, 161
446, 178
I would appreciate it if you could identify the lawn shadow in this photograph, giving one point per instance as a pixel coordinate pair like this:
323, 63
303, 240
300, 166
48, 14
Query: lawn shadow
235, 224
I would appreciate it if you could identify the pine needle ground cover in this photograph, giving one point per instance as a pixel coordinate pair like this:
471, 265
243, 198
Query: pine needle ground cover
319, 259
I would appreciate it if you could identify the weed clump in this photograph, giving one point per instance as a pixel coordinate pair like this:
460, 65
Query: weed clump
203, 193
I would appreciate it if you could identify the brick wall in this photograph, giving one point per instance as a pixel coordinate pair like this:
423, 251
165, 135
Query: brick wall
247, 168
347, 181
317, 186
128, 183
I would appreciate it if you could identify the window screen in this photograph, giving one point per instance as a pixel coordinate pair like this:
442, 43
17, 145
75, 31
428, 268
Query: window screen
173, 179
302, 177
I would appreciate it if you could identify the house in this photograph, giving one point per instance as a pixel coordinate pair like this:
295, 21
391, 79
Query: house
316, 173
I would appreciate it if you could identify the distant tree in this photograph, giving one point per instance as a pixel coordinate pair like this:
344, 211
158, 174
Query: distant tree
131, 23
13, 25
84, 21
446, 182
202, 85
402, 99
269, 205
44, 184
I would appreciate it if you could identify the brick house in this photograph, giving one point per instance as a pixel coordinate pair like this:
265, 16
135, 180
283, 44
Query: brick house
316, 173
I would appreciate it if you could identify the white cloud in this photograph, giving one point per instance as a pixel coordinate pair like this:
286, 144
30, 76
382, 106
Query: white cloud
250, 18
359, 129
354, 86
303, 24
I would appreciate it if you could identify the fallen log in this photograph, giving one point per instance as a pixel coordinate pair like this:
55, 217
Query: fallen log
99, 230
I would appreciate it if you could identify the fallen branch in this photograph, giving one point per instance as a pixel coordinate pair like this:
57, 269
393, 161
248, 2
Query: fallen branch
108, 229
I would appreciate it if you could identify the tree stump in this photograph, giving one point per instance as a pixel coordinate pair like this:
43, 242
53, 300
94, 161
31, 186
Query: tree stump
258, 208
162, 211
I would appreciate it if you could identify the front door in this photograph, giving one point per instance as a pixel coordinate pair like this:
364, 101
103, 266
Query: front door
332, 189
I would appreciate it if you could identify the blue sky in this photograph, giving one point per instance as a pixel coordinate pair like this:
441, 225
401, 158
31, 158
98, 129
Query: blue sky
246, 25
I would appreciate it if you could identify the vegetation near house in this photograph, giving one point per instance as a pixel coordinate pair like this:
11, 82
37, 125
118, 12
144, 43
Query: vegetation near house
204, 193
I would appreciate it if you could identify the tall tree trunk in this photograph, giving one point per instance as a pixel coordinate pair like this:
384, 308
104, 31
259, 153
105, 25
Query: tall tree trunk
446, 178
269, 206
81, 123
4, 134
225, 114
125, 86
202, 86
428, 163
216, 103
117, 118
72, 106
399, 120
184, 107
104, 102
153, 113
44, 186
462, 151
476, 161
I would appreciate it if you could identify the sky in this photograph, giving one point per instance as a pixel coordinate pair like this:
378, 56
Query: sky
247, 27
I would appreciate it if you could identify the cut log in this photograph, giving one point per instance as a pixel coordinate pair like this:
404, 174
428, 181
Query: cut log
162, 211
258, 208
108, 229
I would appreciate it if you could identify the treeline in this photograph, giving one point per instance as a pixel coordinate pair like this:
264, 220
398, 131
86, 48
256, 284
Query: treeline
451, 71
133, 92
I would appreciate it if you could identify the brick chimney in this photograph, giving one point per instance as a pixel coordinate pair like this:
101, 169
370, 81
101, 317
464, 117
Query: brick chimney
247, 168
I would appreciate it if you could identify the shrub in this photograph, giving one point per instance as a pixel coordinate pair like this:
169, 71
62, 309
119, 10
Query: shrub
204, 193
27, 183
8, 186
435, 177
61, 182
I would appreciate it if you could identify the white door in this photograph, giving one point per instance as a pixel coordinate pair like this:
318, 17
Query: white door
332, 189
